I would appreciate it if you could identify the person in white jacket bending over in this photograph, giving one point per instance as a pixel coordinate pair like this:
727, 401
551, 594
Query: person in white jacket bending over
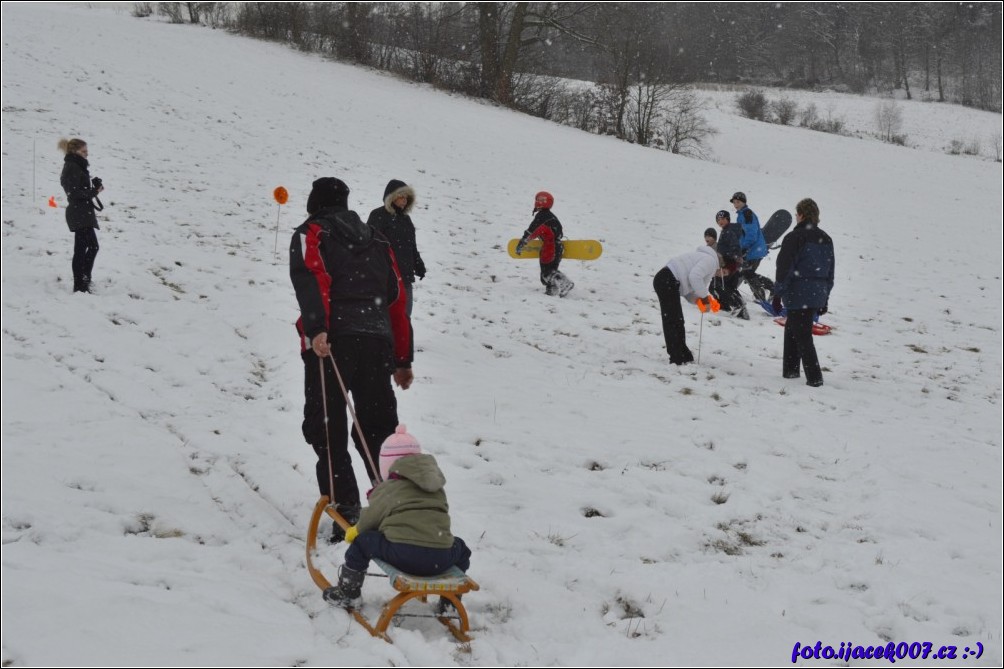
687, 276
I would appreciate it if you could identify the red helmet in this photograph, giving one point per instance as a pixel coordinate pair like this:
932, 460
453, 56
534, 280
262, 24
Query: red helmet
543, 200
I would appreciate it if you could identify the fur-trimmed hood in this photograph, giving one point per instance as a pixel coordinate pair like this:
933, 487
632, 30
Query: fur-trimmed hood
394, 190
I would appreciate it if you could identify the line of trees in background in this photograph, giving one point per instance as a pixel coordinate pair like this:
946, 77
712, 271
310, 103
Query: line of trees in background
641, 56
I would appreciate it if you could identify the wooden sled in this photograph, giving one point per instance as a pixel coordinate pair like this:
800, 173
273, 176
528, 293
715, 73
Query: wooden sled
449, 585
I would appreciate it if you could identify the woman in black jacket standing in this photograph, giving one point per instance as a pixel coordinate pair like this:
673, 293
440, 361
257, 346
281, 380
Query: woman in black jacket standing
392, 220
80, 217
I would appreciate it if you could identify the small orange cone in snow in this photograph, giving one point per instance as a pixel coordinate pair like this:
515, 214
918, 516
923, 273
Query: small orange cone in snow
52, 202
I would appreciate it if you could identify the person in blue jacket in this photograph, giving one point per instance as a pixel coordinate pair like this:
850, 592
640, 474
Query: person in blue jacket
754, 247
803, 282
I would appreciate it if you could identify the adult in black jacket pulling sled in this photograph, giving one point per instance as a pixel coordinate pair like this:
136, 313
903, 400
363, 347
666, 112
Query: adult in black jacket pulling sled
351, 301
81, 218
393, 221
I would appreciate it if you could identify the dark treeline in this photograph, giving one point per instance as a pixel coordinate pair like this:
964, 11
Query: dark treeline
951, 51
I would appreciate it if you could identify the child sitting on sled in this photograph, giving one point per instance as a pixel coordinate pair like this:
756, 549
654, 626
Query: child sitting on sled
407, 522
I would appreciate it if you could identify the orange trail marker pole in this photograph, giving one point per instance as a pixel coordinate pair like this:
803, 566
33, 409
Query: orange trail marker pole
281, 196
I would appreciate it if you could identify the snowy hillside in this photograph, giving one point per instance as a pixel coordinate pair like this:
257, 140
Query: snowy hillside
924, 124
156, 487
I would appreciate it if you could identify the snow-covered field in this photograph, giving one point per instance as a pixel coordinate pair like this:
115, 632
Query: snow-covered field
156, 488
925, 124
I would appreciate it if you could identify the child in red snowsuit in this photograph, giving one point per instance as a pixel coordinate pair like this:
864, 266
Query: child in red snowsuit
547, 228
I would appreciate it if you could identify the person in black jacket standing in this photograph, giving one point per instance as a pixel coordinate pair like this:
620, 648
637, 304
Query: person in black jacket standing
351, 303
803, 281
81, 191
393, 221
730, 248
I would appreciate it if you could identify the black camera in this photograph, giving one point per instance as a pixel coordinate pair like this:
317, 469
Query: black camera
97, 183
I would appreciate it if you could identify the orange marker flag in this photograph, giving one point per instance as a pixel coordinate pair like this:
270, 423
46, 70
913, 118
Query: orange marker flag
281, 196
52, 202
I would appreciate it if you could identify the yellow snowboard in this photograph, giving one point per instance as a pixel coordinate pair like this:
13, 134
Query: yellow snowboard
575, 249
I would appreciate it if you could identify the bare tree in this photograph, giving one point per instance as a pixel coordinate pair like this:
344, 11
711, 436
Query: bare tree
634, 66
785, 110
644, 108
505, 29
172, 10
888, 119
685, 131
195, 10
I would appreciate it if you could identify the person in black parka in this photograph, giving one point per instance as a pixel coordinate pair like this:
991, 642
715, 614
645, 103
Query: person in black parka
350, 296
80, 210
802, 285
393, 221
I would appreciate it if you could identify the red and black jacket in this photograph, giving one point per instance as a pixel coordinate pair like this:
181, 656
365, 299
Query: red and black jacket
347, 282
546, 227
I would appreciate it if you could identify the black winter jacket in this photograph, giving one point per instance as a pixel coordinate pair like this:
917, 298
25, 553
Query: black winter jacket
346, 282
76, 181
730, 245
396, 225
805, 268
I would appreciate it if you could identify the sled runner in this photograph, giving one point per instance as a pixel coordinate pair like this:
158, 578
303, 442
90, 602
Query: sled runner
817, 328
449, 585
574, 249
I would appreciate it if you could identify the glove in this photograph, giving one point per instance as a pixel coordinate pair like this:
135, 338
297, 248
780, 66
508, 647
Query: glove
823, 311
519, 248
776, 304
351, 534
708, 304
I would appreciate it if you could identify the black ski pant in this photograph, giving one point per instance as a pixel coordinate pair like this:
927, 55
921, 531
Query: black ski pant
758, 284
85, 249
667, 288
799, 347
409, 558
366, 365
726, 291
549, 274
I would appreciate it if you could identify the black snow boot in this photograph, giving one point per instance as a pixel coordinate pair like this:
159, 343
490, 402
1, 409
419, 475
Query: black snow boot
445, 606
349, 588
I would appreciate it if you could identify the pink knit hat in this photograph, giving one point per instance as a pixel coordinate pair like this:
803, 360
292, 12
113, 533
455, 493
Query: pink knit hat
397, 446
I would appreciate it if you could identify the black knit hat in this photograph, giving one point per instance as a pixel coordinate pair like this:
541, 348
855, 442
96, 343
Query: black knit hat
711, 232
722, 213
327, 192
738, 195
